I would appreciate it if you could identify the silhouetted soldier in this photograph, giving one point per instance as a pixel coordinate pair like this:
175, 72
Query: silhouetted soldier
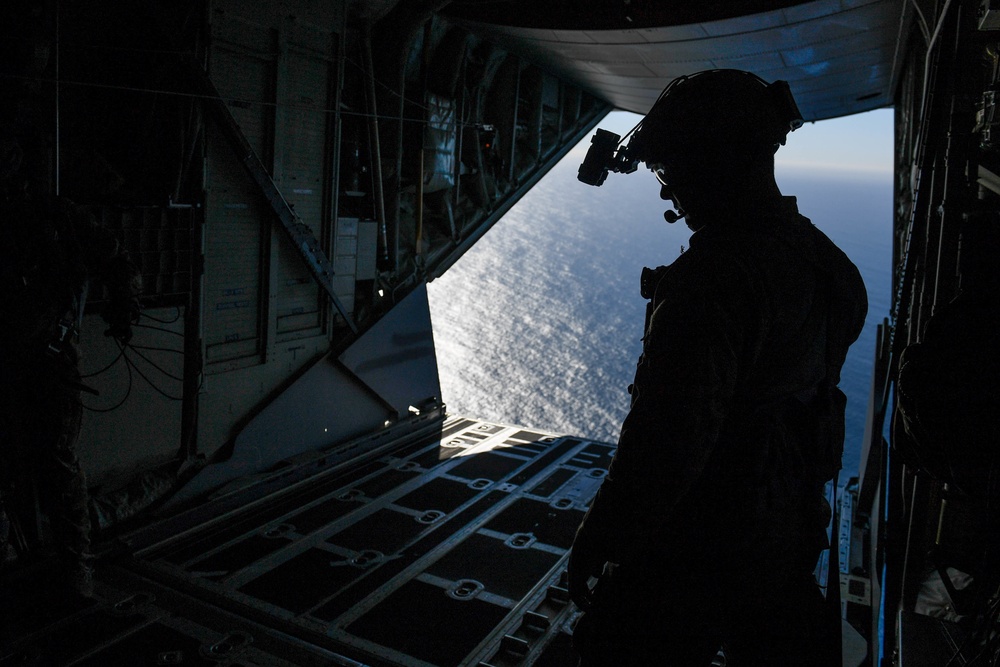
51, 252
707, 529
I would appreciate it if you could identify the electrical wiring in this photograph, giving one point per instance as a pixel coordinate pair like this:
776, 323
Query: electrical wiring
922, 21
153, 348
984, 636
128, 391
228, 100
106, 368
176, 317
78, 44
365, 73
62, 41
150, 362
153, 328
131, 364
186, 52
135, 349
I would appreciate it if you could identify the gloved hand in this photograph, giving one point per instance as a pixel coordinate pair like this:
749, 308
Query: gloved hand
586, 560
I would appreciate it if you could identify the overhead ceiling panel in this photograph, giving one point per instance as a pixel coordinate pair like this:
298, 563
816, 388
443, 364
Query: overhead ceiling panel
761, 63
836, 54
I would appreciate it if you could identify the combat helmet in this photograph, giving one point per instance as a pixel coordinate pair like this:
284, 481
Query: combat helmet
715, 113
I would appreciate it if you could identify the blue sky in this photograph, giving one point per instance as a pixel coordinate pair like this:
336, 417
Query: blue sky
861, 143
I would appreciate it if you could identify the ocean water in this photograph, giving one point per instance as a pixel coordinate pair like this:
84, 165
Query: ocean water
539, 324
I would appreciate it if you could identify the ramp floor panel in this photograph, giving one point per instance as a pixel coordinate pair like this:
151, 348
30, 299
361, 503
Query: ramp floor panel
449, 551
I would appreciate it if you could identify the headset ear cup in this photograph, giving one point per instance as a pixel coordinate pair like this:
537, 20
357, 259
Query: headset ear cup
784, 103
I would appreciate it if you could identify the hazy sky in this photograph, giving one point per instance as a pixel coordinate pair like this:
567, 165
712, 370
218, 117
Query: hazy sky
858, 143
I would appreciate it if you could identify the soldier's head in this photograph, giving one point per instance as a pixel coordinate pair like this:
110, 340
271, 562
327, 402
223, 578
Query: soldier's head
712, 132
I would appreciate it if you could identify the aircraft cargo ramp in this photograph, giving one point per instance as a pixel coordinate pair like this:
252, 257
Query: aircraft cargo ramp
449, 550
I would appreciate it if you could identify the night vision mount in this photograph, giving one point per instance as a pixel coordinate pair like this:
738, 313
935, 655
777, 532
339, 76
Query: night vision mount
604, 155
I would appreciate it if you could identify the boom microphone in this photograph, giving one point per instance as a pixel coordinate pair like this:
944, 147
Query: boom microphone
673, 216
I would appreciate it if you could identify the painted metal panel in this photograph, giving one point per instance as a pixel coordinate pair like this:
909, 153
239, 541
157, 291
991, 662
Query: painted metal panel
235, 216
396, 357
345, 259
325, 405
303, 141
821, 40
232, 278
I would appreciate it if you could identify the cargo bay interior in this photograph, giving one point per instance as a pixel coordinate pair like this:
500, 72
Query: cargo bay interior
274, 476
287, 177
